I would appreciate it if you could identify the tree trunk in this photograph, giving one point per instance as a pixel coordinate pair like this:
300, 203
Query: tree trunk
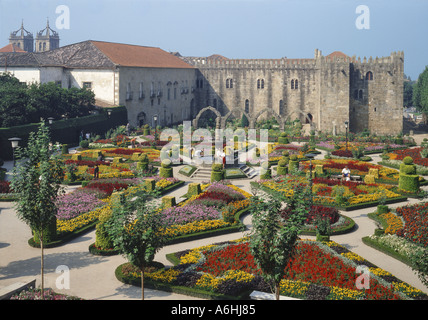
42, 264
142, 283
277, 292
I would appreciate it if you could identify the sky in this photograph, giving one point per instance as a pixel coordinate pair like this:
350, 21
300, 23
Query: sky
236, 28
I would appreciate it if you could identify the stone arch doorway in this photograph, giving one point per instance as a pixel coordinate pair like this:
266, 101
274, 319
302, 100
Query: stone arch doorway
270, 112
238, 114
209, 108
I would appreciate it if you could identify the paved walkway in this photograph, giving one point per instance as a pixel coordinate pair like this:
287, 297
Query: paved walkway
92, 277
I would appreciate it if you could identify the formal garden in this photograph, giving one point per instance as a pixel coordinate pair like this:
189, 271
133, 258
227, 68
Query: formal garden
121, 186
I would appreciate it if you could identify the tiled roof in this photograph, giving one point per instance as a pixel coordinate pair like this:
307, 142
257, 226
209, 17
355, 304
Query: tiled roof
139, 56
11, 48
98, 55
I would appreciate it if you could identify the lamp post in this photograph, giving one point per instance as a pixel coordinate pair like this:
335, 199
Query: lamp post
346, 128
310, 156
15, 143
109, 113
50, 119
155, 119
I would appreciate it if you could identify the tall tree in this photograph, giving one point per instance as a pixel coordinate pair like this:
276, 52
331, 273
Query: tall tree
36, 179
420, 92
273, 238
135, 228
13, 101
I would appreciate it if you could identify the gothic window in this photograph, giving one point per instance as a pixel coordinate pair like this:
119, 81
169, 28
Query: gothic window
294, 84
260, 83
369, 75
229, 83
247, 106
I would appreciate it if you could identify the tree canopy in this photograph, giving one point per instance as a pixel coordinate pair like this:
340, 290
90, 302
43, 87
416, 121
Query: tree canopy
420, 92
22, 104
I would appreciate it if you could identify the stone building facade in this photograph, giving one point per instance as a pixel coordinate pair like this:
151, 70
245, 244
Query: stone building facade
323, 93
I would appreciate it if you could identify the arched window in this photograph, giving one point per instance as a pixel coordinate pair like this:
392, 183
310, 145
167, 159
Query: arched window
227, 84
258, 83
309, 118
231, 83
292, 84
369, 75
296, 84
247, 106
262, 84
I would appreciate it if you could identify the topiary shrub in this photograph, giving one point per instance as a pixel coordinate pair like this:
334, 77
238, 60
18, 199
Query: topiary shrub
217, 173
64, 149
168, 202
166, 170
84, 144
282, 168
283, 139
267, 171
194, 189
143, 163
146, 130
150, 184
293, 164
408, 179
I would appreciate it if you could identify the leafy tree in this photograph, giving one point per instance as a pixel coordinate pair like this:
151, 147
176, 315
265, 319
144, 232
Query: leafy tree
135, 228
22, 104
36, 179
13, 101
420, 92
273, 239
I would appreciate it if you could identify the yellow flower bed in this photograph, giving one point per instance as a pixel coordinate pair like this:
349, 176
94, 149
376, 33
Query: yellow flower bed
194, 255
293, 288
168, 275
193, 227
394, 222
338, 293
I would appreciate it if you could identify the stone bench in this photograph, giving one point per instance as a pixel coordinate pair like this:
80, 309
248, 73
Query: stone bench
339, 177
7, 292
258, 295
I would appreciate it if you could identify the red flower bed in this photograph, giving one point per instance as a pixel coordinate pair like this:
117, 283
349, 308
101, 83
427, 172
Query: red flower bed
415, 223
107, 187
310, 264
342, 153
158, 143
87, 163
214, 195
124, 151
316, 211
414, 153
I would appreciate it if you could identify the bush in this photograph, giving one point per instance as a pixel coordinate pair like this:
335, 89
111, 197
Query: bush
84, 144
64, 149
408, 182
166, 172
217, 173
282, 168
407, 160
194, 189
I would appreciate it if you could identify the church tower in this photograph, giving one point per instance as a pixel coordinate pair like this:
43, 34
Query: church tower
47, 39
22, 39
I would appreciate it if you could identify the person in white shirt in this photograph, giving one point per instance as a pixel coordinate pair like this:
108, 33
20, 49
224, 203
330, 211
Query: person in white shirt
346, 174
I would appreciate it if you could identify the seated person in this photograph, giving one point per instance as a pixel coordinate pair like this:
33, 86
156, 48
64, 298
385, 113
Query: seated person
346, 174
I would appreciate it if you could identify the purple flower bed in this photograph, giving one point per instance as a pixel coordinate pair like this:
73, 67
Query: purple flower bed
188, 213
78, 202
